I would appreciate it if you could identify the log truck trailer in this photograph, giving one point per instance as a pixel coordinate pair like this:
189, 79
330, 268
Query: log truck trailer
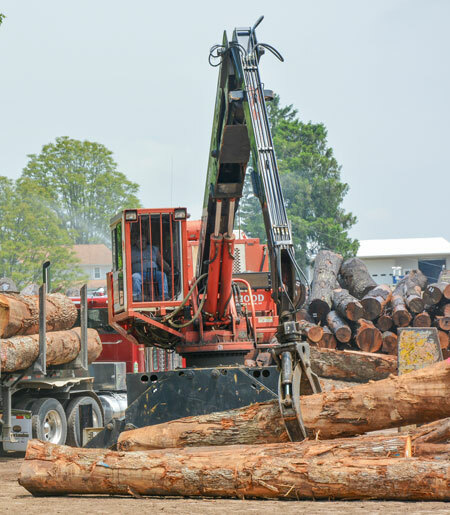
44, 401
154, 299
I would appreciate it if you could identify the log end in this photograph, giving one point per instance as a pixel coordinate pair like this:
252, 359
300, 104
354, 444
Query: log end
401, 317
415, 304
354, 311
372, 308
318, 309
368, 337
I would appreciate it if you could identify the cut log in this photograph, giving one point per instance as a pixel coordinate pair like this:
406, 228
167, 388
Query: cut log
354, 366
410, 287
366, 445
368, 337
19, 314
400, 314
326, 269
443, 339
262, 471
422, 320
312, 331
356, 277
19, 352
384, 323
414, 398
442, 323
434, 293
340, 329
328, 341
346, 305
389, 343
375, 301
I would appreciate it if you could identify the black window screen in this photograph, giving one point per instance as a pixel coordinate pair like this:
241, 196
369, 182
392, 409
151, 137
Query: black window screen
155, 258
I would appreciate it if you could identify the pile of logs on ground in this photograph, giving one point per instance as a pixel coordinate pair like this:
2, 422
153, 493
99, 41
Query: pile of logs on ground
19, 328
246, 453
346, 309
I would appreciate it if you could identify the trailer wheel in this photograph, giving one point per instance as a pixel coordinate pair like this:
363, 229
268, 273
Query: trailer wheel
74, 437
48, 421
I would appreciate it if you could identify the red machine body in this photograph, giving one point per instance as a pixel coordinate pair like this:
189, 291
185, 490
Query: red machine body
238, 315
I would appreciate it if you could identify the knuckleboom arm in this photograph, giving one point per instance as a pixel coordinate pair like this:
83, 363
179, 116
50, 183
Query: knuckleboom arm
241, 127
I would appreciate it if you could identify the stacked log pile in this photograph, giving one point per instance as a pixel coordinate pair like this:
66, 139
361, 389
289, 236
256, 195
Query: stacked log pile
246, 453
19, 327
360, 314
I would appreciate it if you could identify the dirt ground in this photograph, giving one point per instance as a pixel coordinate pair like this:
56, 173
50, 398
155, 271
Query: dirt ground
15, 499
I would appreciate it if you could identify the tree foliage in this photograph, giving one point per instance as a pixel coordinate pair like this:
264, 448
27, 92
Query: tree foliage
312, 188
30, 234
84, 186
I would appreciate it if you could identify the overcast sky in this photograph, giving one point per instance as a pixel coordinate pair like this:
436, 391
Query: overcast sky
134, 76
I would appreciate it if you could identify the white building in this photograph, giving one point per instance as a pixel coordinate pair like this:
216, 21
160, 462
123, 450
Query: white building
95, 261
387, 259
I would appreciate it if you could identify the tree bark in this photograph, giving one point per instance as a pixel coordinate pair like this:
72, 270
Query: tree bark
340, 329
422, 320
19, 314
400, 314
432, 450
19, 352
410, 287
326, 269
368, 337
384, 323
312, 331
389, 343
434, 432
375, 301
272, 471
328, 341
354, 366
356, 277
346, 305
414, 398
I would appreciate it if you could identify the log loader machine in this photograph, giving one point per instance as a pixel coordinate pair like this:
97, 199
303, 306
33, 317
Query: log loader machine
153, 300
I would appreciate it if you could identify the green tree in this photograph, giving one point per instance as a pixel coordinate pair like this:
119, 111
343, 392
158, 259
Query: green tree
30, 234
86, 189
312, 188
2, 17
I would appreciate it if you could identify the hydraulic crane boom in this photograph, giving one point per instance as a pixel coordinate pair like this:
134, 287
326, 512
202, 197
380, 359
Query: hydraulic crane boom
241, 127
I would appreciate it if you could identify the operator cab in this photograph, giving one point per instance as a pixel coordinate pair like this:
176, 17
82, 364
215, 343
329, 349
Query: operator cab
149, 259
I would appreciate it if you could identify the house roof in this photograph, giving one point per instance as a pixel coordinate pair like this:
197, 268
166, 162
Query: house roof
403, 247
93, 254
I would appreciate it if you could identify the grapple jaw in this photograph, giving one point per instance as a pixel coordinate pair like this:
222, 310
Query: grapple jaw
295, 380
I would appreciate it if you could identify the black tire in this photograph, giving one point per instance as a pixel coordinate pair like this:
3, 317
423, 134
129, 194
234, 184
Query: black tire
48, 421
73, 418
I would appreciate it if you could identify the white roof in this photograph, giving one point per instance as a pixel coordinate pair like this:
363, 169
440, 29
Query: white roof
403, 247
